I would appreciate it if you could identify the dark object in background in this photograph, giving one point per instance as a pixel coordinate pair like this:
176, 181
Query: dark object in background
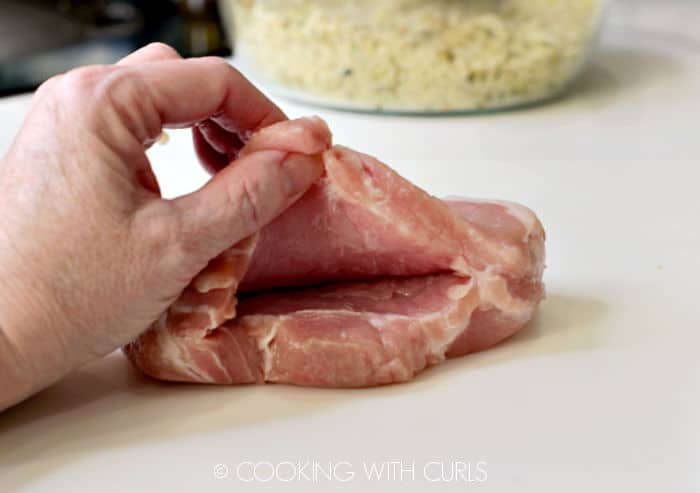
41, 38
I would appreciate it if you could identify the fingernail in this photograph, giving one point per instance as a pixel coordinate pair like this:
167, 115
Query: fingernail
301, 172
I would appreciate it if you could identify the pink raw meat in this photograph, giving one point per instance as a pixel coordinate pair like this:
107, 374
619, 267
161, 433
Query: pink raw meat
366, 280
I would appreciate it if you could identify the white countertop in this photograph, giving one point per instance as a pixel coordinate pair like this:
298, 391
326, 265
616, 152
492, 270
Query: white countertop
601, 393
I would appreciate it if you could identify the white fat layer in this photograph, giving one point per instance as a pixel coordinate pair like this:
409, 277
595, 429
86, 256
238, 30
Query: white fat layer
460, 265
234, 342
264, 342
510, 255
493, 291
373, 191
394, 370
379, 321
219, 364
177, 355
213, 320
204, 308
459, 291
205, 284
438, 346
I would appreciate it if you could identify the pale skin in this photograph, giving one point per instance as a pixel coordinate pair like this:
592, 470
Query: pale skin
90, 254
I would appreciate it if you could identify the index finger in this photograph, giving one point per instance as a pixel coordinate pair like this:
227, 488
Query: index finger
184, 92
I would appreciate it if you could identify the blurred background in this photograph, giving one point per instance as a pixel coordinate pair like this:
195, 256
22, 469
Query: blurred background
40, 38
388, 56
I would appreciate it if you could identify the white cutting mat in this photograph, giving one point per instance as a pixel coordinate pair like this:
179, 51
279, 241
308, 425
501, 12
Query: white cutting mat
600, 393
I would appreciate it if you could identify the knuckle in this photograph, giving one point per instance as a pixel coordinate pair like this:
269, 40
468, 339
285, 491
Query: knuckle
216, 61
219, 64
118, 78
185, 233
163, 234
87, 77
124, 92
156, 222
244, 201
162, 50
48, 85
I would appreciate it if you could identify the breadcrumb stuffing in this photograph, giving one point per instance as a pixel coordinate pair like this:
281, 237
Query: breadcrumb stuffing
419, 55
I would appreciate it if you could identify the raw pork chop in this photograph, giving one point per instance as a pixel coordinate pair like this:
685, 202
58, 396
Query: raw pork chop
366, 280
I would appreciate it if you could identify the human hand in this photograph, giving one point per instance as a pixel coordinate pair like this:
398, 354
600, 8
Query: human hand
90, 254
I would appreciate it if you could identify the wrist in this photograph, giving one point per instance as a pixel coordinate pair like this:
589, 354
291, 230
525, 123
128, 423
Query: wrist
30, 350
15, 381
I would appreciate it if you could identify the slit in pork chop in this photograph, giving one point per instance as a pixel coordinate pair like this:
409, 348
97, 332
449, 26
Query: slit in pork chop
381, 280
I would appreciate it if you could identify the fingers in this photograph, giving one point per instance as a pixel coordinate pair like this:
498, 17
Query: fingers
185, 92
215, 146
208, 93
304, 135
150, 53
241, 199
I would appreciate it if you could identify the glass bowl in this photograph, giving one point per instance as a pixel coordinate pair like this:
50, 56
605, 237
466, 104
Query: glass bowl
414, 56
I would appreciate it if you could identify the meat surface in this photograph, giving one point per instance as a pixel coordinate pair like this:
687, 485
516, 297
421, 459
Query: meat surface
366, 280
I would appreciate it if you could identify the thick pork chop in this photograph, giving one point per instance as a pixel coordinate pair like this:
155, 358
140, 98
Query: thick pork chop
366, 280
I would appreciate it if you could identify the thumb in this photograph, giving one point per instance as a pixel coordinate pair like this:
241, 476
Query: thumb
242, 198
